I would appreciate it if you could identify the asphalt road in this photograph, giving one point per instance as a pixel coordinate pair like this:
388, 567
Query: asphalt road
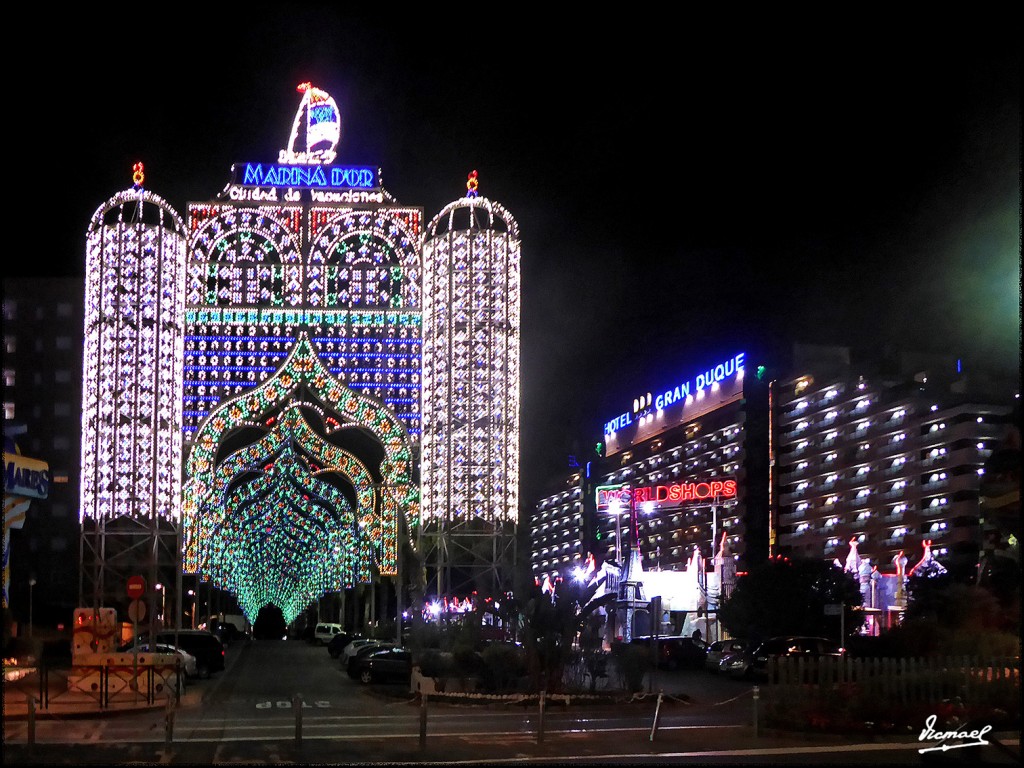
248, 714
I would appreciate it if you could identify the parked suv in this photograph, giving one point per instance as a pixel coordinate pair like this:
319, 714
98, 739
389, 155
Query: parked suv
201, 643
325, 631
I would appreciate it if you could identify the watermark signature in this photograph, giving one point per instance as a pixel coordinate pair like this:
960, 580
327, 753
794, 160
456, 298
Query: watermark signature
929, 733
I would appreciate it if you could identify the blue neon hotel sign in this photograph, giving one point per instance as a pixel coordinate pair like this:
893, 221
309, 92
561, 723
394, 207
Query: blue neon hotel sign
684, 389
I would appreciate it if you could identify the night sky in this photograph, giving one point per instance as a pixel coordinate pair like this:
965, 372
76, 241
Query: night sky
683, 184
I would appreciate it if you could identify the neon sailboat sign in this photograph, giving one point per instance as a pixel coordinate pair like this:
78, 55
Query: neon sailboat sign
316, 130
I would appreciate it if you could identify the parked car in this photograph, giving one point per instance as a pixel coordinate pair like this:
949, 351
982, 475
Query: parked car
350, 650
720, 650
201, 643
325, 631
753, 663
363, 651
383, 665
337, 643
677, 651
188, 661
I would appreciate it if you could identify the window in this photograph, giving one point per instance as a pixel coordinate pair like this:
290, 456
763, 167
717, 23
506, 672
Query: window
61, 409
64, 309
63, 342
8, 377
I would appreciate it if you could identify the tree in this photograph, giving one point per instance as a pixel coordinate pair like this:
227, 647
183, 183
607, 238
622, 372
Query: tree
784, 596
551, 622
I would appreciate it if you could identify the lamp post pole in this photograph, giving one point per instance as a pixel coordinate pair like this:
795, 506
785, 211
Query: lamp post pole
31, 585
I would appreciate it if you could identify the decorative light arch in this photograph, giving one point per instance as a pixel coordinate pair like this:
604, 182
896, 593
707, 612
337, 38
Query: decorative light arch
206, 481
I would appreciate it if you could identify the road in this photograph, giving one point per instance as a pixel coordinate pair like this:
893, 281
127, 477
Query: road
249, 714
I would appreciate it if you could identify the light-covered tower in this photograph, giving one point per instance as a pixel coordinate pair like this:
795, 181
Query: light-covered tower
471, 391
131, 395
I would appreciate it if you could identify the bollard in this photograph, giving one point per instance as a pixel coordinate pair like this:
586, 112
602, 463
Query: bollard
423, 721
540, 721
657, 714
169, 723
31, 702
297, 706
757, 725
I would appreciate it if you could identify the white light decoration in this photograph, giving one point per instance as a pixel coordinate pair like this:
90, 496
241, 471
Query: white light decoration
132, 364
471, 349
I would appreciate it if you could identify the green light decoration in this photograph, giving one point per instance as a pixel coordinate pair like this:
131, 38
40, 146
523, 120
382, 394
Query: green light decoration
240, 541
760, 372
287, 538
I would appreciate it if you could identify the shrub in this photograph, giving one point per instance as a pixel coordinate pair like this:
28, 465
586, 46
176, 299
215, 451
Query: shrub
434, 663
632, 662
503, 665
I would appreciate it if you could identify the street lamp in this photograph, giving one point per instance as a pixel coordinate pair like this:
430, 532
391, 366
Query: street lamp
163, 601
31, 584
192, 594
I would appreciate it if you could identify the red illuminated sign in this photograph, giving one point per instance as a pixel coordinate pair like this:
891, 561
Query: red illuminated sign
676, 493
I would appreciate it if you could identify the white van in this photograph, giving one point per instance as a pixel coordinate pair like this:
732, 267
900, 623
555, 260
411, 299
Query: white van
324, 632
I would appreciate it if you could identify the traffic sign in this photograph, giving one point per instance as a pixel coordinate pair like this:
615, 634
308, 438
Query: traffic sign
136, 587
136, 611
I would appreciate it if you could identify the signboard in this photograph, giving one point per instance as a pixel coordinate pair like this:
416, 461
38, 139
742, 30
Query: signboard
136, 587
26, 477
136, 611
834, 609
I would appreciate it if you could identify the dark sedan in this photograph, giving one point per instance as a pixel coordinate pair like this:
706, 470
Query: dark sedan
383, 665
677, 652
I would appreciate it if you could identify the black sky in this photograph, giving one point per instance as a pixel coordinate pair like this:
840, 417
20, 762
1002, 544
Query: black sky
682, 182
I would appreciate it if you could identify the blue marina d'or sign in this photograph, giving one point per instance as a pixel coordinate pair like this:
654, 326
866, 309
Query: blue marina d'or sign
305, 176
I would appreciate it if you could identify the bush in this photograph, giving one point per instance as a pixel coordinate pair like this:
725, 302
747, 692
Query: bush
632, 661
434, 663
503, 665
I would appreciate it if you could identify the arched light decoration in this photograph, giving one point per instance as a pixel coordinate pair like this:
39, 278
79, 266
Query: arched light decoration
471, 348
207, 532
286, 538
132, 364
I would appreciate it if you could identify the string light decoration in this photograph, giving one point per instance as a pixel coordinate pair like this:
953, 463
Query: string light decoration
203, 493
287, 304
132, 358
471, 346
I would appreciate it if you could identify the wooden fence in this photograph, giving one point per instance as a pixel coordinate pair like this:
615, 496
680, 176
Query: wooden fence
831, 690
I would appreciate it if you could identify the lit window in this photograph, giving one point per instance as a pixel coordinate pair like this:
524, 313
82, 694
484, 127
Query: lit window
863, 492
802, 465
831, 435
830, 394
831, 478
831, 415
832, 457
863, 471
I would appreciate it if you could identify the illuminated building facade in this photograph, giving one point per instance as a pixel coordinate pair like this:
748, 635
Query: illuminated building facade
303, 345
281, 420
131, 391
688, 464
471, 345
891, 459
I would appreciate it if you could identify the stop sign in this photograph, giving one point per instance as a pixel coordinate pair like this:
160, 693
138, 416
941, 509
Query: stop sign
136, 587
